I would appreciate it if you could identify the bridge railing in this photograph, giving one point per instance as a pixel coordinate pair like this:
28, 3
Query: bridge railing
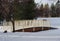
31, 23
21, 24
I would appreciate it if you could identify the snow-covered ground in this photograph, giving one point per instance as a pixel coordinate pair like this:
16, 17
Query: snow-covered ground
49, 35
54, 22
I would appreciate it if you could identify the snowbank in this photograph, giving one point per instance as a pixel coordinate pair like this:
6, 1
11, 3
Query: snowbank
54, 22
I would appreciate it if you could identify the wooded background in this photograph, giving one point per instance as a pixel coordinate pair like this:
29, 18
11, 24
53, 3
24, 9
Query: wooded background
27, 10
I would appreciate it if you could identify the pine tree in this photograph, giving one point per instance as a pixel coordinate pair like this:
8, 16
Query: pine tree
46, 10
53, 11
41, 10
24, 10
29, 10
1, 16
18, 10
57, 11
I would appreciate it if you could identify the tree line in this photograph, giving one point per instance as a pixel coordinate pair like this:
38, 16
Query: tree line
27, 10
19, 10
48, 11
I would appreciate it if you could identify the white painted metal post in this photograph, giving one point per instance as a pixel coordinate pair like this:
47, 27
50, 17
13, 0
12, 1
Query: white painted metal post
34, 26
42, 25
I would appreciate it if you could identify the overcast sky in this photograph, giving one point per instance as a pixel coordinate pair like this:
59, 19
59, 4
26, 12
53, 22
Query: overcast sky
46, 1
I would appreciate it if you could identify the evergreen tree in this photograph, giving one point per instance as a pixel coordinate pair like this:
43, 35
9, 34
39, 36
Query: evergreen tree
29, 10
24, 10
57, 11
18, 10
1, 17
46, 10
53, 10
41, 10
